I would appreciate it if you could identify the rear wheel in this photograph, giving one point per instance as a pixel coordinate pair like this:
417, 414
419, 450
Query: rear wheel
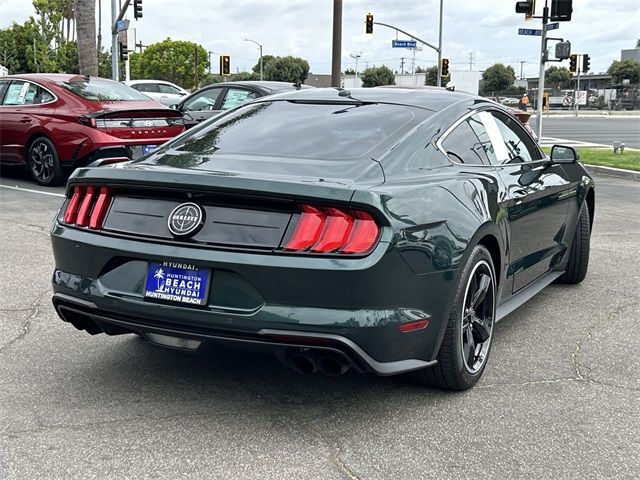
43, 163
467, 340
579, 254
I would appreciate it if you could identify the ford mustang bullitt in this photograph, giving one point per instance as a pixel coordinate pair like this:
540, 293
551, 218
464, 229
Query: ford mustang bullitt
372, 230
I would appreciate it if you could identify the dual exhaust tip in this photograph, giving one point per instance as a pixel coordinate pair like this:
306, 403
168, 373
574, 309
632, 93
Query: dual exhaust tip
306, 363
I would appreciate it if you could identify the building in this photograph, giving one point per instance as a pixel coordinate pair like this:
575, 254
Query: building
631, 53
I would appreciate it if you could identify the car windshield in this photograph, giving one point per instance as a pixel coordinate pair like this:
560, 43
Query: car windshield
101, 90
301, 130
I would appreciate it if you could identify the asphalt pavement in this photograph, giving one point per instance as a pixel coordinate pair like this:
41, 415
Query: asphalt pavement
560, 397
600, 129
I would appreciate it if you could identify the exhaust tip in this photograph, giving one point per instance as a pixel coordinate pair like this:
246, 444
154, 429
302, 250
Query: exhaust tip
302, 364
333, 366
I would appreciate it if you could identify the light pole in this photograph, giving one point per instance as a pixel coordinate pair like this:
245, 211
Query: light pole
253, 41
210, 53
356, 56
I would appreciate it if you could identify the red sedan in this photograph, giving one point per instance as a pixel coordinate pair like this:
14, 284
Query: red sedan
52, 123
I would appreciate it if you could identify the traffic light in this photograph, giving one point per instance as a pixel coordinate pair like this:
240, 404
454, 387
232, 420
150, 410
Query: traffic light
586, 63
444, 70
137, 9
528, 8
573, 63
123, 52
369, 22
225, 65
561, 10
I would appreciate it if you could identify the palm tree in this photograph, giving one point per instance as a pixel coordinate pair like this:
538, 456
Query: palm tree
159, 275
85, 11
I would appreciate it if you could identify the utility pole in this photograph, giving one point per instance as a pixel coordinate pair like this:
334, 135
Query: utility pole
336, 59
209, 53
471, 61
543, 61
259, 46
577, 89
401, 65
439, 78
115, 55
522, 62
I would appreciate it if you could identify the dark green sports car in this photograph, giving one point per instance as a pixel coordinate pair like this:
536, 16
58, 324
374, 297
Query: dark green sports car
378, 230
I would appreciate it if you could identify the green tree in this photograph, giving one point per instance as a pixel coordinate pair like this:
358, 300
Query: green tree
558, 77
625, 69
286, 69
497, 78
419, 69
174, 61
431, 77
349, 71
266, 59
376, 76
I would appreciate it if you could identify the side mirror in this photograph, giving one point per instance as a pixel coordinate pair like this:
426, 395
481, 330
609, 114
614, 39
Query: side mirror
564, 154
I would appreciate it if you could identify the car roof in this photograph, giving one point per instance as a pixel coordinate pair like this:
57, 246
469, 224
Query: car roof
131, 82
264, 84
431, 99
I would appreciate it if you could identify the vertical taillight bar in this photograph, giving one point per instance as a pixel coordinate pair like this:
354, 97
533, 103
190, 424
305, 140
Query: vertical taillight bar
71, 212
87, 207
100, 208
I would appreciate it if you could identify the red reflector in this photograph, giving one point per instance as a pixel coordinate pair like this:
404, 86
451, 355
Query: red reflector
412, 326
308, 229
85, 208
364, 234
100, 208
336, 230
71, 212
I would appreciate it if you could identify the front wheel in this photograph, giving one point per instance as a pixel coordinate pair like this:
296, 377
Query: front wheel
466, 344
43, 162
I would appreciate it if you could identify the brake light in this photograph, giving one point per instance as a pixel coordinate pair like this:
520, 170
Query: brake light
88, 207
333, 230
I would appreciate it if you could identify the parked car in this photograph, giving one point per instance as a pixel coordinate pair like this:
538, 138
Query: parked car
167, 93
509, 101
52, 123
379, 230
213, 99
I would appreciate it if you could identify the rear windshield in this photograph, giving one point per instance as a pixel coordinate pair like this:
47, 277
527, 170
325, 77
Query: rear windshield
301, 130
101, 89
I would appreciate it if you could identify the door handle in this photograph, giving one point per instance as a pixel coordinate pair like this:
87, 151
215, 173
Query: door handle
26, 120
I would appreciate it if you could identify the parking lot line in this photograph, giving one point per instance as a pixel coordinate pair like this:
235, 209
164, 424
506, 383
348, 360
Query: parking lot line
31, 190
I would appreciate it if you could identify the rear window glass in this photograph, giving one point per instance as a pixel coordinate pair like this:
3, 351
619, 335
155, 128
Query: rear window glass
301, 130
101, 89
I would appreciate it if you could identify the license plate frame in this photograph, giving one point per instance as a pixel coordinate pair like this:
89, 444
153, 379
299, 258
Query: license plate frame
147, 149
176, 282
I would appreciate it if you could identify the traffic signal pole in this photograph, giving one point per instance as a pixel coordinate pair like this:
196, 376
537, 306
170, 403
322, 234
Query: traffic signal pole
543, 61
439, 77
115, 74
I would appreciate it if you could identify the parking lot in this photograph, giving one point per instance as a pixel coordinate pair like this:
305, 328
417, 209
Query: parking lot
560, 397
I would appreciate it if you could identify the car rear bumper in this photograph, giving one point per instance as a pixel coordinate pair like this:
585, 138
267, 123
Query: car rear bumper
353, 306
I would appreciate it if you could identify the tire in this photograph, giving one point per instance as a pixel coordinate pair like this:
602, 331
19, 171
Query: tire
459, 368
579, 254
43, 163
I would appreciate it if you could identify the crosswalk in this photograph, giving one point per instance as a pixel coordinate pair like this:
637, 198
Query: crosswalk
550, 141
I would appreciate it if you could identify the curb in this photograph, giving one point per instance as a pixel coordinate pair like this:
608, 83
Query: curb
613, 172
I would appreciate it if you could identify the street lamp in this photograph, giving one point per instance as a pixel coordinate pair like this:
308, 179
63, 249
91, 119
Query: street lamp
356, 56
253, 41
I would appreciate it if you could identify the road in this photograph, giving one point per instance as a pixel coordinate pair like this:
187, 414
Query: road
560, 397
602, 130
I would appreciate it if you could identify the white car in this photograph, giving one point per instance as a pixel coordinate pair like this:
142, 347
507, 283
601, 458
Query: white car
166, 93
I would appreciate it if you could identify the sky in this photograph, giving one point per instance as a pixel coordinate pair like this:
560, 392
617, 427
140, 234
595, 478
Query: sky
482, 30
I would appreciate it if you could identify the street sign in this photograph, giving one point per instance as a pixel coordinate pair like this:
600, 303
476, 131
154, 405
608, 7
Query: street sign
403, 43
122, 25
530, 31
552, 26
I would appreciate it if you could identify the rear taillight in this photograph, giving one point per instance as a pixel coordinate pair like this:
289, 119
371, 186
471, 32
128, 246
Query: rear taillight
87, 207
333, 230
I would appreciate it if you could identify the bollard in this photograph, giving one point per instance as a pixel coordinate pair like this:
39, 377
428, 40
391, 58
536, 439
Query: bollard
621, 148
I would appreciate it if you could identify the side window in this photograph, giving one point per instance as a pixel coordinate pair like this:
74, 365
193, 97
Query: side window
236, 96
204, 101
463, 145
16, 93
168, 89
519, 147
44, 96
146, 87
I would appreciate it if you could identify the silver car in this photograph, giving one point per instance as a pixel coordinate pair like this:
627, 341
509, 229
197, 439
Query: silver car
167, 93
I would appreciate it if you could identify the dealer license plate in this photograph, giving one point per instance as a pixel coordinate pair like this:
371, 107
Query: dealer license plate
146, 149
177, 282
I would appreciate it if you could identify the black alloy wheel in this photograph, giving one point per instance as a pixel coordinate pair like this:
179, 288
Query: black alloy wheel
467, 340
477, 317
42, 160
